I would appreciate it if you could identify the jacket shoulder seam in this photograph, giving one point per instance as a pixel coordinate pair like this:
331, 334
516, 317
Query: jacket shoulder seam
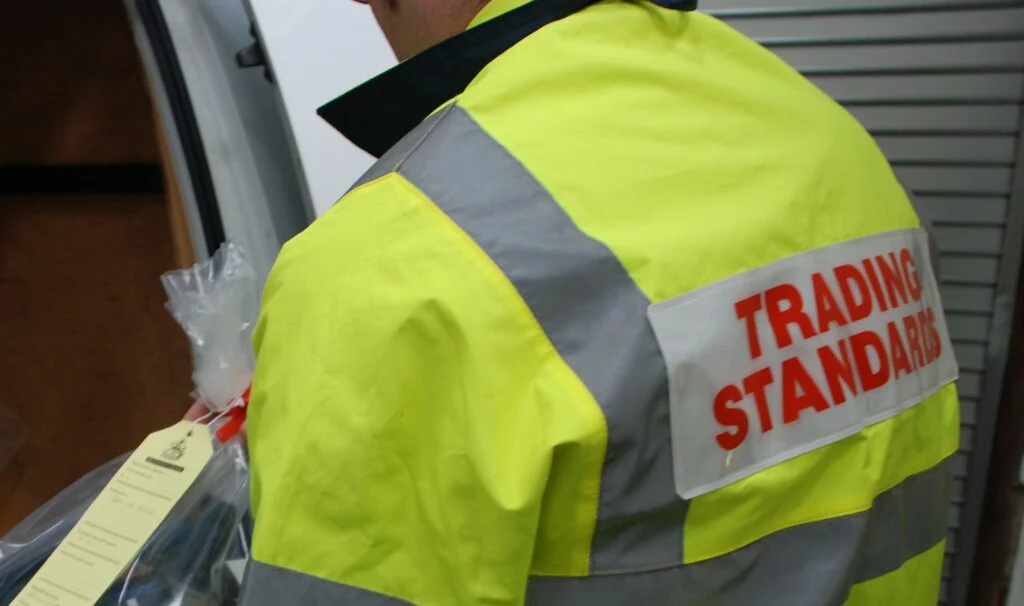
444, 112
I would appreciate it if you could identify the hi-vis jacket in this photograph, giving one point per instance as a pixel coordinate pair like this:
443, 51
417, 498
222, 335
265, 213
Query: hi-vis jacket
628, 312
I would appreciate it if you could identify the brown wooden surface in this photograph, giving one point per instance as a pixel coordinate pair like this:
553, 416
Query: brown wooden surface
71, 88
89, 358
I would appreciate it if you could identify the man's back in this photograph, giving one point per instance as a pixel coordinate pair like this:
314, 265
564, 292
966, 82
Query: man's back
637, 258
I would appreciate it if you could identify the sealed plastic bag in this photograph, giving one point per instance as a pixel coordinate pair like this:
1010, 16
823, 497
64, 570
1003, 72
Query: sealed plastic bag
188, 560
194, 557
24, 549
197, 553
215, 302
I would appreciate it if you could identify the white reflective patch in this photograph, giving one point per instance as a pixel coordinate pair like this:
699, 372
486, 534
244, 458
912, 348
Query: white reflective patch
781, 360
237, 568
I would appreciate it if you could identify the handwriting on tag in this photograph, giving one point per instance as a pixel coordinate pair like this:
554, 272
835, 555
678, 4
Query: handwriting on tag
121, 519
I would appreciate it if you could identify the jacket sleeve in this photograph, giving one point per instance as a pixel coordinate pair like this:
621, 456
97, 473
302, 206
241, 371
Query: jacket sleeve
395, 424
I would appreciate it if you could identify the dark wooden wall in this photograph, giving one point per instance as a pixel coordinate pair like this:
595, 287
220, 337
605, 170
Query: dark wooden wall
89, 359
71, 89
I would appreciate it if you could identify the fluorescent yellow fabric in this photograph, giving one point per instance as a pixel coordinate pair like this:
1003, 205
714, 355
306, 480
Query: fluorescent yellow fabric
405, 438
916, 583
771, 167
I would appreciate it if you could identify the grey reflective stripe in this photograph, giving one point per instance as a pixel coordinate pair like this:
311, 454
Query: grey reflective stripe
590, 308
391, 161
813, 564
267, 585
906, 521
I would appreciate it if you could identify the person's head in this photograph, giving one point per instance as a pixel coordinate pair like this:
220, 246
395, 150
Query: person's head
412, 26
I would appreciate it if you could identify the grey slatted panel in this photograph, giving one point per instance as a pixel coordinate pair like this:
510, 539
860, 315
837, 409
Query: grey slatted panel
924, 89
968, 299
970, 356
969, 240
963, 210
727, 8
939, 83
968, 328
929, 57
905, 27
969, 384
956, 180
972, 299
940, 119
950, 549
968, 410
966, 438
997, 150
960, 465
969, 270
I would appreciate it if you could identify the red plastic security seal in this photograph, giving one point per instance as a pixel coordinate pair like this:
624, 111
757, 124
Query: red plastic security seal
234, 419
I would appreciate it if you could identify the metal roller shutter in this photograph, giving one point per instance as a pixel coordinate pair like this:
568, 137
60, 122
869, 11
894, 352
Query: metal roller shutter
940, 84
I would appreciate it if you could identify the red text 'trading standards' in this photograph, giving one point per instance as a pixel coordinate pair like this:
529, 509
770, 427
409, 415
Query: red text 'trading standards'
862, 359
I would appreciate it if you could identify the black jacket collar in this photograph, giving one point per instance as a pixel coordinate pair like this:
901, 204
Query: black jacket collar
375, 115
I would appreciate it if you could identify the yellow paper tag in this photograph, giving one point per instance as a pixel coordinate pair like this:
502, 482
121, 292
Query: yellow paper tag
121, 519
